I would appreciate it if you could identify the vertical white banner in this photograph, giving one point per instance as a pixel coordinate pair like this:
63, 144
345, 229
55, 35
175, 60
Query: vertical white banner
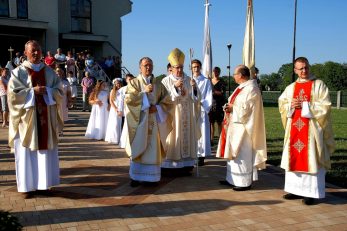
207, 49
248, 56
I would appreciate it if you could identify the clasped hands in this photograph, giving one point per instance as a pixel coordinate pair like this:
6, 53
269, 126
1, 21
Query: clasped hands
296, 103
179, 85
148, 88
40, 90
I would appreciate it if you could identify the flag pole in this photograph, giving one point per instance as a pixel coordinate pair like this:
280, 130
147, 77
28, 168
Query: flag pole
294, 40
229, 47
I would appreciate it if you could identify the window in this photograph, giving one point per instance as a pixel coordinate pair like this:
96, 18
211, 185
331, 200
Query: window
22, 8
81, 16
4, 8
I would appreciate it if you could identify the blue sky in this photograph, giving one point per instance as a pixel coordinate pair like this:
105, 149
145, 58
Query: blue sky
155, 27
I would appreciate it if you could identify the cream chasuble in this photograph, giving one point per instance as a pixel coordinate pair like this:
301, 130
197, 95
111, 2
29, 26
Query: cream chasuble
245, 145
143, 143
181, 143
320, 141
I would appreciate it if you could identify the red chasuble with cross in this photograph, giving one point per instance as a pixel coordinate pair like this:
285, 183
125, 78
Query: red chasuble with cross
38, 79
299, 132
226, 123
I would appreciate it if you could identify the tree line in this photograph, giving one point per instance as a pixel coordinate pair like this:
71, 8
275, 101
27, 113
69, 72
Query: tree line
333, 74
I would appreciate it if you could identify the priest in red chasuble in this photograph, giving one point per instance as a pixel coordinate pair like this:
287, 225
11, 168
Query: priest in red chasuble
308, 143
34, 98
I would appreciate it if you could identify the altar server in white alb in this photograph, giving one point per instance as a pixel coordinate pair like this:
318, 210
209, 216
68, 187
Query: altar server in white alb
146, 101
243, 140
309, 141
34, 97
205, 89
184, 114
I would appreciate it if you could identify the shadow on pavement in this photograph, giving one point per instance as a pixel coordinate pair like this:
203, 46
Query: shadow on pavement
132, 210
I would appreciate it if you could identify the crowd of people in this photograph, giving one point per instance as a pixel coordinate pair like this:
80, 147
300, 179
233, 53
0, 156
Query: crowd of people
166, 124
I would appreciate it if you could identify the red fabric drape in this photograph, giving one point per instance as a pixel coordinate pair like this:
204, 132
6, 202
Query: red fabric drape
299, 131
226, 122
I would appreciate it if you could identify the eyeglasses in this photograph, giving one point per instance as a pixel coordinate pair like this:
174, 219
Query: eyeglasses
195, 67
301, 69
236, 74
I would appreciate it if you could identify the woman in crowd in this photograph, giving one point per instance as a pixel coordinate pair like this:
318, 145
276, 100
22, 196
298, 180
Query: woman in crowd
3, 95
66, 95
216, 114
73, 87
70, 63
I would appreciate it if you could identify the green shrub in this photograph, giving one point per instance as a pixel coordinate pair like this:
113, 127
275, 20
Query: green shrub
9, 222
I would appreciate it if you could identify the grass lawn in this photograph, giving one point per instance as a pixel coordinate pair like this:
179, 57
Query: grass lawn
275, 133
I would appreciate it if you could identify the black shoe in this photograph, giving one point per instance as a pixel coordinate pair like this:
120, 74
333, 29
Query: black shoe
134, 183
201, 161
308, 201
46, 192
237, 188
290, 196
150, 184
29, 195
224, 182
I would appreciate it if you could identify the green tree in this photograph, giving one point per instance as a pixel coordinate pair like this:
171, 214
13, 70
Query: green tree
285, 72
271, 81
333, 74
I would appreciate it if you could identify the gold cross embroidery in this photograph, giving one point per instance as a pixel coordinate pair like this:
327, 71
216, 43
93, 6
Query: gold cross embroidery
302, 96
299, 145
299, 124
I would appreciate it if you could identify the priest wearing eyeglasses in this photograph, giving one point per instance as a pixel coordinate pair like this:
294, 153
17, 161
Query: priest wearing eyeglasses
305, 109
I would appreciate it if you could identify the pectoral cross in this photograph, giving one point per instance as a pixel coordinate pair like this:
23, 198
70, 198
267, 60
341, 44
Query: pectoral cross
10, 50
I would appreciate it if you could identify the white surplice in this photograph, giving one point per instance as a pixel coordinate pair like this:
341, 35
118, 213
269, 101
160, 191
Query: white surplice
205, 88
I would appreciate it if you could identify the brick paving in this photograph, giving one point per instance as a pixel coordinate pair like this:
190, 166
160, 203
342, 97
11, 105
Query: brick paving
94, 194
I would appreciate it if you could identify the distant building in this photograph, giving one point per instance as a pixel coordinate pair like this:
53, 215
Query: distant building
75, 25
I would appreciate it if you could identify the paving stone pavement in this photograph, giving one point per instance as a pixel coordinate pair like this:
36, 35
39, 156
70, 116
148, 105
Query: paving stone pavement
94, 194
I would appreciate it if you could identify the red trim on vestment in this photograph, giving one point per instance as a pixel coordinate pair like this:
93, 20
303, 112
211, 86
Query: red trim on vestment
226, 123
38, 79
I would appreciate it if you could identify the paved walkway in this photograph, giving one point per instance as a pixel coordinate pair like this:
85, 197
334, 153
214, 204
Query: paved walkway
94, 194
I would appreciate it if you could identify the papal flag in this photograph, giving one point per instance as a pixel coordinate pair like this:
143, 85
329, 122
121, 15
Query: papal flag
207, 49
248, 56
